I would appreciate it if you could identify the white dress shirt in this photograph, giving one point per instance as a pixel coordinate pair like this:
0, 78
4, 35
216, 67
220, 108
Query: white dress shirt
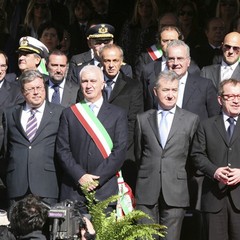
51, 90
26, 114
181, 89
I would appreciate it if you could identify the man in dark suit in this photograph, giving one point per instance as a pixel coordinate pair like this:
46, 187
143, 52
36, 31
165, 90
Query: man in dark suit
162, 155
229, 67
211, 49
196, 94
10, 94
216, 152
81, 159
59, 89
98, 36
30, 131
126, 93
157, 51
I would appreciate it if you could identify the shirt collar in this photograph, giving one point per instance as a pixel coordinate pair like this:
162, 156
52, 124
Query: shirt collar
172, 110
28, 108
98, 103
61, 85
233, 66
114, 79
183, 79
225, 117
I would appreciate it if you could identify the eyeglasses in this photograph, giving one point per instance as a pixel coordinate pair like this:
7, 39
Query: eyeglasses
177, 59
230, 97
187, 13
227, 47
40, 5
34, 89
3, 66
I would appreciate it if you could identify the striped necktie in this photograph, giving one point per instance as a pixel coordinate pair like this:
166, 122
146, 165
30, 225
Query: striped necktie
31, 127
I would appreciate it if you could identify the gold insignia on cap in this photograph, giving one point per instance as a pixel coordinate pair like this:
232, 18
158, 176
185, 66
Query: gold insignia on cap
24, 42
103, 29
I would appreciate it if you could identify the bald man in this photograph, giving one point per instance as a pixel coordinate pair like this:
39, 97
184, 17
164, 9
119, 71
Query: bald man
229, 67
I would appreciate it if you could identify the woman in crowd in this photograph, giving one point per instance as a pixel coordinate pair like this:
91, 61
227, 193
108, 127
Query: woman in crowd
228, 11
188, 20
50, 34
140, 31
37, 13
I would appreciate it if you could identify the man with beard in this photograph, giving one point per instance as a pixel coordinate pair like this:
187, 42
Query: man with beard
59, 89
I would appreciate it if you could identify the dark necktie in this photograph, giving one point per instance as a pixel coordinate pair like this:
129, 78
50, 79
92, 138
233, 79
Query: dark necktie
108, 88
231, 127
31, 127
56, 94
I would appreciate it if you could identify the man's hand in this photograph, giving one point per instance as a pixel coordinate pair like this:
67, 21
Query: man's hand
89, 181
233, 176
221, 174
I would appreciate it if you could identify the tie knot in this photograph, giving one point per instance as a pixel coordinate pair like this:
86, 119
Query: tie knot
109, 82
55, 87
231, 120
164, 113
92, 106
33, 111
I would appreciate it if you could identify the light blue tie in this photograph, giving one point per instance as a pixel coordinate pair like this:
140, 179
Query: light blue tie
164, 128
92, 106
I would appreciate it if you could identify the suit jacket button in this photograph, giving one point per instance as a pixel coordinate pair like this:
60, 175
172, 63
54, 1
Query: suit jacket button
30, 147
230, 149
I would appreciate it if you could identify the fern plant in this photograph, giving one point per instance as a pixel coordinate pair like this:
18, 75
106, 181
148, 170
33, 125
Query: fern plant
108, 227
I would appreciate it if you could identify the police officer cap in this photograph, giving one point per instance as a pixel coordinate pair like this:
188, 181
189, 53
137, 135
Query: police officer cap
32, 45
101, 31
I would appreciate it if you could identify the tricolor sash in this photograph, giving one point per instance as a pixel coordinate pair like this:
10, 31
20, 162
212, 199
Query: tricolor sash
93, 127
104, 143
155, 52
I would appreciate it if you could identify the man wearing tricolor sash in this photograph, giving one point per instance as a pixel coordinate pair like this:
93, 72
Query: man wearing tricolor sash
92, 141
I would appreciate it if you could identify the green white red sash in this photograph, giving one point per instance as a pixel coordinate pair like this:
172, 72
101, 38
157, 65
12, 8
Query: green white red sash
155, 52
93, 127
100, 136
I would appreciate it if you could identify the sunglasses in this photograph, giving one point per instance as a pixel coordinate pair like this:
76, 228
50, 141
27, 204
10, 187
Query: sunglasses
227, 47
99, 42
40, 5
187, 13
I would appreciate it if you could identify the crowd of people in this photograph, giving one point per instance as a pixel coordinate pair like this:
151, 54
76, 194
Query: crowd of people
150, 87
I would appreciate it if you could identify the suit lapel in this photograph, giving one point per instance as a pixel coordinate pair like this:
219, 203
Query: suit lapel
153, 121
47, 115
235, 132
189, 89
236, 72
217, 75
103, 113
66, 94
119, 85
219, 124
175, 124
17, 118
